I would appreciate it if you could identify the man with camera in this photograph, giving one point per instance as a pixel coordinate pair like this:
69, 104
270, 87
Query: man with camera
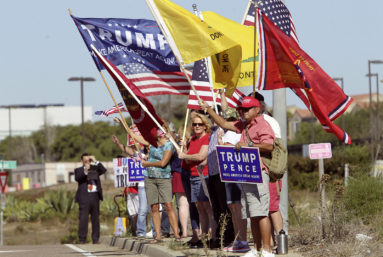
88, 196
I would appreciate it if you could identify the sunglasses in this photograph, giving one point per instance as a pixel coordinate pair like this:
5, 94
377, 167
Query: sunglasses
198, 124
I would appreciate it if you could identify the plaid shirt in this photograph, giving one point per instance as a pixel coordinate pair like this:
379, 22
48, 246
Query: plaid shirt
212, 159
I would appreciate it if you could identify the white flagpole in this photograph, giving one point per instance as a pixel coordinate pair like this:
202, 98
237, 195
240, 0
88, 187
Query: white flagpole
207, 62
132, 94
170, 40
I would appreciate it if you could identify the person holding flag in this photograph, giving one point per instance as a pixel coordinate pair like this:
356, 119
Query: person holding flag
255, 198
158, 185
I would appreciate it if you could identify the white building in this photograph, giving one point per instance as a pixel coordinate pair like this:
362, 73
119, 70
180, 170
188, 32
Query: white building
26, 119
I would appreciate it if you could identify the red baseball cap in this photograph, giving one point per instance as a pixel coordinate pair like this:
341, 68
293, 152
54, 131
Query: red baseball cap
248, 102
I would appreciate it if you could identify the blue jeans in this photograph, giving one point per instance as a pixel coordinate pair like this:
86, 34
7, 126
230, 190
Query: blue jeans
142, 211
194, 216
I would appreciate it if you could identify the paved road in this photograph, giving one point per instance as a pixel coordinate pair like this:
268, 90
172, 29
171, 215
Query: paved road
61, 250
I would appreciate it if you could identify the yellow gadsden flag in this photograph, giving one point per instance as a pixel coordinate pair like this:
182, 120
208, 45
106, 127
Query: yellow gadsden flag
245, 37
196, 39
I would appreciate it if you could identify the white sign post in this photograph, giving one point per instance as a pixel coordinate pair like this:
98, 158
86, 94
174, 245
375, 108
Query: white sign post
320, 152
3, 183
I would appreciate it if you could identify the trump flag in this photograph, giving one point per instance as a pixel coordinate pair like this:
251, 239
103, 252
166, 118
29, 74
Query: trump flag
123, 41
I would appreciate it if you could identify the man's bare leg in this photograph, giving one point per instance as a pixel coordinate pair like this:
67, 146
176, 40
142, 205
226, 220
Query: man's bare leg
260, 228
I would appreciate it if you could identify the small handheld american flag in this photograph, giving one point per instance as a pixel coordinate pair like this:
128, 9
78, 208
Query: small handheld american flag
106, 113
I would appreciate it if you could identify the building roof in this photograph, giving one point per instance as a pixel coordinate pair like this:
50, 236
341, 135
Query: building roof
303, 113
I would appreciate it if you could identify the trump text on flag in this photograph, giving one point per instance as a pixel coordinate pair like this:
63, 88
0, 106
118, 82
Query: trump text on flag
239, 166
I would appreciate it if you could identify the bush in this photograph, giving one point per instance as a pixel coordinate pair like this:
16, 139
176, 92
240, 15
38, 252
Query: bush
72, 238
363, 196
303, 172
61, 201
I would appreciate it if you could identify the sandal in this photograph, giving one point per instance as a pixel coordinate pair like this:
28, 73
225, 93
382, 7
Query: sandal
156, 241
178, 240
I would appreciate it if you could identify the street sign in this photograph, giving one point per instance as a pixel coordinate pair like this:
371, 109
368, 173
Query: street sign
2, 202
3, 180
6, 165
320, 151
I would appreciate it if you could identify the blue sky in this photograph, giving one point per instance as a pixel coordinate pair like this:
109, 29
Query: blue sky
42, 48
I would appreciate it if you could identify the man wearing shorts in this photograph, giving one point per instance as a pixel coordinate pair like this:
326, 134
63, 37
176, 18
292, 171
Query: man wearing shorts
255, 198
274, 212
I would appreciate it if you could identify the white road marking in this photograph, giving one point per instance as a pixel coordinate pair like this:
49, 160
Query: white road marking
80, 250
16, 251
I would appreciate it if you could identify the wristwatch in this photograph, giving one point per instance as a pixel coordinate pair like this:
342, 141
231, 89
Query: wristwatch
251, 144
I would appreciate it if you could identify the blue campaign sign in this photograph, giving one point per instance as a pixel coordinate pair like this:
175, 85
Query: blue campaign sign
127, 41
135, 171
127, 171
242, 166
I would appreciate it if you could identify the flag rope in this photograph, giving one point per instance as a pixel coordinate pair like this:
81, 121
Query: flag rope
132, 94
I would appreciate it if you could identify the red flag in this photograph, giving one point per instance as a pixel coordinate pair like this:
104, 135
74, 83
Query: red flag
144, 123
284, 56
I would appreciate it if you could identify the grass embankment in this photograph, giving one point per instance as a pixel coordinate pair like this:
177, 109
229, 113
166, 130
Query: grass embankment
50, 216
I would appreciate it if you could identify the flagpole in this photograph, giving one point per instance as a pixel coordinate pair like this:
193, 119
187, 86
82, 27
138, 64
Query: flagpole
207, 62
182, 64
247, 10
186, 124
123, 121
255, 43
132, 94
118, 108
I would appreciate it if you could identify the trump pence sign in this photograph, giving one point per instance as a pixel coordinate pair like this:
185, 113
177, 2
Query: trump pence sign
242, 166
127, 171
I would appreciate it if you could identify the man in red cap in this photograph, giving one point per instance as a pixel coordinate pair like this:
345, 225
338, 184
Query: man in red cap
255, 198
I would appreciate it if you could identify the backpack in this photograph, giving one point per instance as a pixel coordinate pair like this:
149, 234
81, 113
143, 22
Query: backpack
276, 162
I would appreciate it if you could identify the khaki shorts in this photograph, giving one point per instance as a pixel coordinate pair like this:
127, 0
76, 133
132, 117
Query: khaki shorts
158, 190
255, 198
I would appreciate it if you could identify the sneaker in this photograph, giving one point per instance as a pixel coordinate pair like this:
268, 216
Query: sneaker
141, 237
195, 245
229, 248
267, 254
215, 244
149, 234
251, 253
240, 248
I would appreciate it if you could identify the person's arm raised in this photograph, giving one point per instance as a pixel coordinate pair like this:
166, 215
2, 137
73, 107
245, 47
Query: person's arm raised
138, 138
216, 118
165, 160
198, 157
224, 104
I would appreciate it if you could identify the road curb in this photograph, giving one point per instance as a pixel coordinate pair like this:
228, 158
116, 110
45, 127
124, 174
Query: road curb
140, 247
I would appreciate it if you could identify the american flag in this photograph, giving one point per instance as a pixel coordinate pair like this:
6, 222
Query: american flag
201, 83
277, 12
106, 113
152, 82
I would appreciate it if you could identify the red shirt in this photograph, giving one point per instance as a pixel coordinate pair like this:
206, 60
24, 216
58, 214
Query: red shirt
260, 131
194, 147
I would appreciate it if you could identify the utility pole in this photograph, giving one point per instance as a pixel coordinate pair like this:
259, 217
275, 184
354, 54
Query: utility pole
82, 105
10, 134
279, 113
